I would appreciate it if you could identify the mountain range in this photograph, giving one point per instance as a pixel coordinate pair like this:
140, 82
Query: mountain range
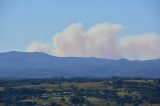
16, 64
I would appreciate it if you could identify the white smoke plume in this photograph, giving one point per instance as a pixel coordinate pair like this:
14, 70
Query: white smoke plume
101, 41
40, 47
141, 47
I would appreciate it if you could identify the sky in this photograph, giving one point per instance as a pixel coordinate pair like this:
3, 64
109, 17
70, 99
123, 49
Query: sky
84, 28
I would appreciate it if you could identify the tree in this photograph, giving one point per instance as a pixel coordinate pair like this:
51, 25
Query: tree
77, 100
63, 99
117, 83
54, 104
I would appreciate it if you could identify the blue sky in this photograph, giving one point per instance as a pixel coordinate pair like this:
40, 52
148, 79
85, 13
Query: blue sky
25, 21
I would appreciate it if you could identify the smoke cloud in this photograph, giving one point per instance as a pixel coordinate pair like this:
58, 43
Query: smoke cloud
100, 41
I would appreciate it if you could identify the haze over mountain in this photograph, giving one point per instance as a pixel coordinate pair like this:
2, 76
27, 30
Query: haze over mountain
36, 64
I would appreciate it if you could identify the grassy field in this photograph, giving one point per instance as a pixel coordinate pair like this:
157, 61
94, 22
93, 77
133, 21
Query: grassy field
50, 87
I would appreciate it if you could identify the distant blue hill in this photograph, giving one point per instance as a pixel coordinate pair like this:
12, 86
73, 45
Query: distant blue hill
38, 65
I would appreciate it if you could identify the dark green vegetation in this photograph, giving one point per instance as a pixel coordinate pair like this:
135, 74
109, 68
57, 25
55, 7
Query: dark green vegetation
80, 92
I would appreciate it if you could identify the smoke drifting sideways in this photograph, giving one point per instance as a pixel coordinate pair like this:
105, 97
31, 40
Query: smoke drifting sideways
100, 41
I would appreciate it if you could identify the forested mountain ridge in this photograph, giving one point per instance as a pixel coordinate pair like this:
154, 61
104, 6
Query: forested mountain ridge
36, 64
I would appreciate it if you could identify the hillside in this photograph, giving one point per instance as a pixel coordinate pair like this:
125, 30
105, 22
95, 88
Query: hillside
32, 65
